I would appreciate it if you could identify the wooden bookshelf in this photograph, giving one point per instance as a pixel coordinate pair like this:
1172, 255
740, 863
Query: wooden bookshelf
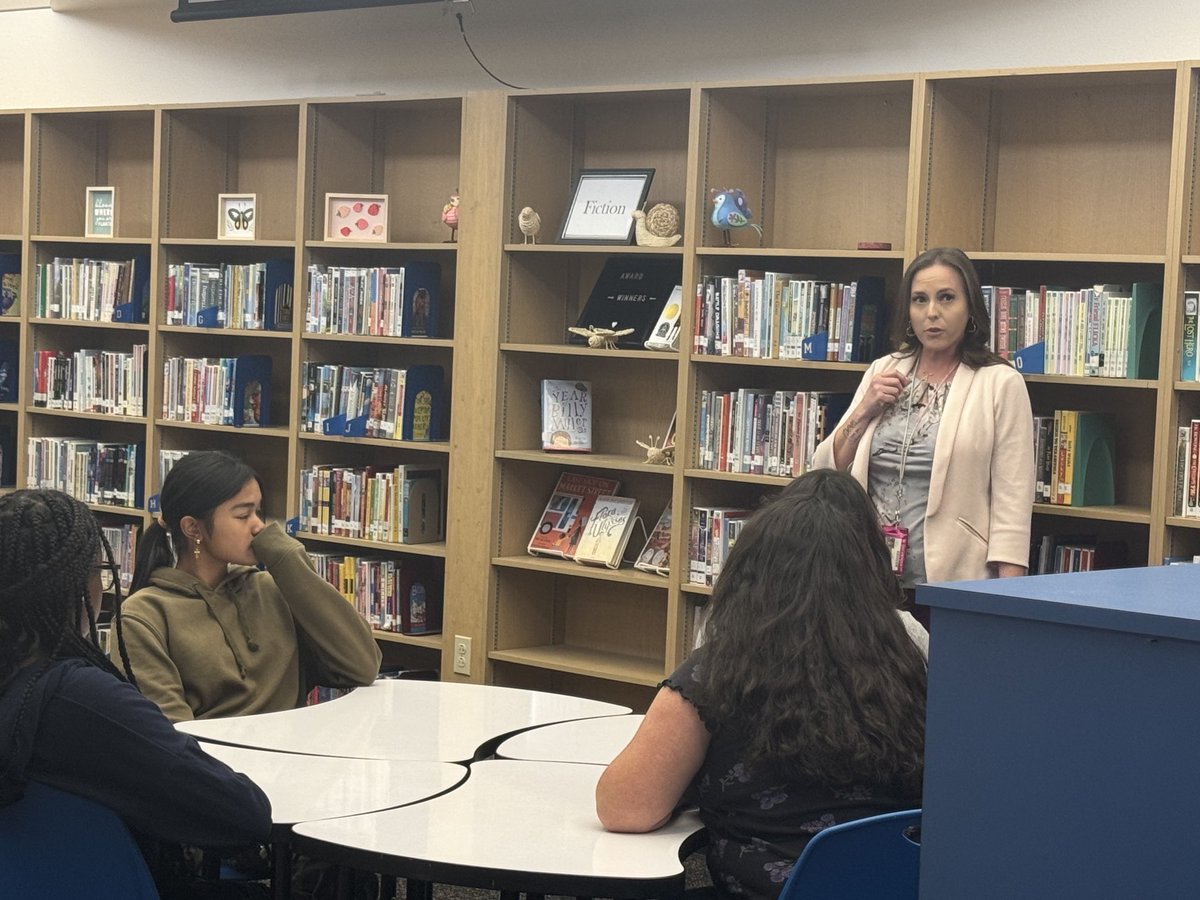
1069, 177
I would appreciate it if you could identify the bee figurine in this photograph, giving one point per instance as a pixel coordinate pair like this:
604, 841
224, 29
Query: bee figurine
731, 211
600, 338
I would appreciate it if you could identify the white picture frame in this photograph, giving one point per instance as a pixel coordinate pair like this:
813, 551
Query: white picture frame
356, 217
100, 212
602, 205
237, 216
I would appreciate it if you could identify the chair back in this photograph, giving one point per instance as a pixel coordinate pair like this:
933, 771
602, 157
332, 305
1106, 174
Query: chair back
867, 859
56, 844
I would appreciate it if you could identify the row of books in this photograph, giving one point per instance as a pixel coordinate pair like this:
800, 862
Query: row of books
712, 532
102, 381
1107, 330
93, 290
123, 541
398, 505
777, 315
218, 391
365, 401
256, 296
391, 594
1074, 452
1186, 494
760, 432
92, 471
167, 460
586, 521
1054, 554
386, 301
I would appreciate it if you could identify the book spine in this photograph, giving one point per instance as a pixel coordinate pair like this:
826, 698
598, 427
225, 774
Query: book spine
1193, 483
1187, 354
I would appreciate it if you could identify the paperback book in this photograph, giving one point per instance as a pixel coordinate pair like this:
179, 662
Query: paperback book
566, 415
607, 532
567, 513
656, 555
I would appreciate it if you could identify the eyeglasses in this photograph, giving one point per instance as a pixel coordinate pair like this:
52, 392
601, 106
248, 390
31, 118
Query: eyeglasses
110, 574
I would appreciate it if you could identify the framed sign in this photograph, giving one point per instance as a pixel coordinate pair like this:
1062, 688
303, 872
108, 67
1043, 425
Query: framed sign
101, 212
356, 217
602, 206
235, 216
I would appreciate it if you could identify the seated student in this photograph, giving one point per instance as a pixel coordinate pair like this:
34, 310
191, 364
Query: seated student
805, 707
208, 634
69, 719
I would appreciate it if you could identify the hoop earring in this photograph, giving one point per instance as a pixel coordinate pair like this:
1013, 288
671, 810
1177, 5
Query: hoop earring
972, 327
908, 332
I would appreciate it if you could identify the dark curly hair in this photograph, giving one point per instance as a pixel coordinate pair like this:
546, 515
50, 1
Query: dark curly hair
805, 653
974, 349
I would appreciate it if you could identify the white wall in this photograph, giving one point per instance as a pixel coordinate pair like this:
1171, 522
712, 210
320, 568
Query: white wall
114, 52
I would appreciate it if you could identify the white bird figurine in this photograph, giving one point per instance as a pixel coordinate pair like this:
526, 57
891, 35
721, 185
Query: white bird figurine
530, 224
655, 228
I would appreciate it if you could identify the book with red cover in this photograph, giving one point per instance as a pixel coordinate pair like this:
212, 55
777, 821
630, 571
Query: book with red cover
562, 523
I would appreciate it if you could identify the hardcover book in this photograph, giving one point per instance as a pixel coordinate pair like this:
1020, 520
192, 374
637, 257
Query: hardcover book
10, 368
1187, 353
566, 415
252, 391
567, 513
422, 291
420, 590
607, 532
630, 292
656, 555
666, 330
10, 283
423, 410
420, 495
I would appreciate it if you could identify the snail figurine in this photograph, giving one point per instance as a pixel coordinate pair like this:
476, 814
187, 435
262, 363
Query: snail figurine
657, 227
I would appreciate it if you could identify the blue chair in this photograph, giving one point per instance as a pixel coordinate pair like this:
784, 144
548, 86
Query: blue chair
55, 844
867, 859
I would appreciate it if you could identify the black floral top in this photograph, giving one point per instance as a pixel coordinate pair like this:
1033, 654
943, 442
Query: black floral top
758, 818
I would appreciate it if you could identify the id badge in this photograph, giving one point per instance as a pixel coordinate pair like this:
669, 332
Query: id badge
896, 538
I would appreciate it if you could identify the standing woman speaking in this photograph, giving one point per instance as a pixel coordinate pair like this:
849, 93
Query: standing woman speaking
940, 433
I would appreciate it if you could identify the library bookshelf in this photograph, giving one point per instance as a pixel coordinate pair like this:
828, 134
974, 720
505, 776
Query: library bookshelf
168, 165
1068, 177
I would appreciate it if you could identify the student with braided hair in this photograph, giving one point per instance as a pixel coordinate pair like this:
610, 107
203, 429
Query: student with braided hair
208, 634
68, 717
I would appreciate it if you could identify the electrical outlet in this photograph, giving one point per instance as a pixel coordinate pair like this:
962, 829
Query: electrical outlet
462, 655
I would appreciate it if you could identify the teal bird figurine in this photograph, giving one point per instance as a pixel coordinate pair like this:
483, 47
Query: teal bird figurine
731, 211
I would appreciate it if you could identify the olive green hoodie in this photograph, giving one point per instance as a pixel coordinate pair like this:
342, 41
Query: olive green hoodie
257, 642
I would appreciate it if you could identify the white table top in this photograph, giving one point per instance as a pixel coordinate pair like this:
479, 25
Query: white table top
303, 788
395, 719
595, 741
513, 825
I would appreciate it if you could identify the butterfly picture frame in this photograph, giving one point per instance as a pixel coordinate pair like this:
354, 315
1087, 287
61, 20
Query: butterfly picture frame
236, 216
